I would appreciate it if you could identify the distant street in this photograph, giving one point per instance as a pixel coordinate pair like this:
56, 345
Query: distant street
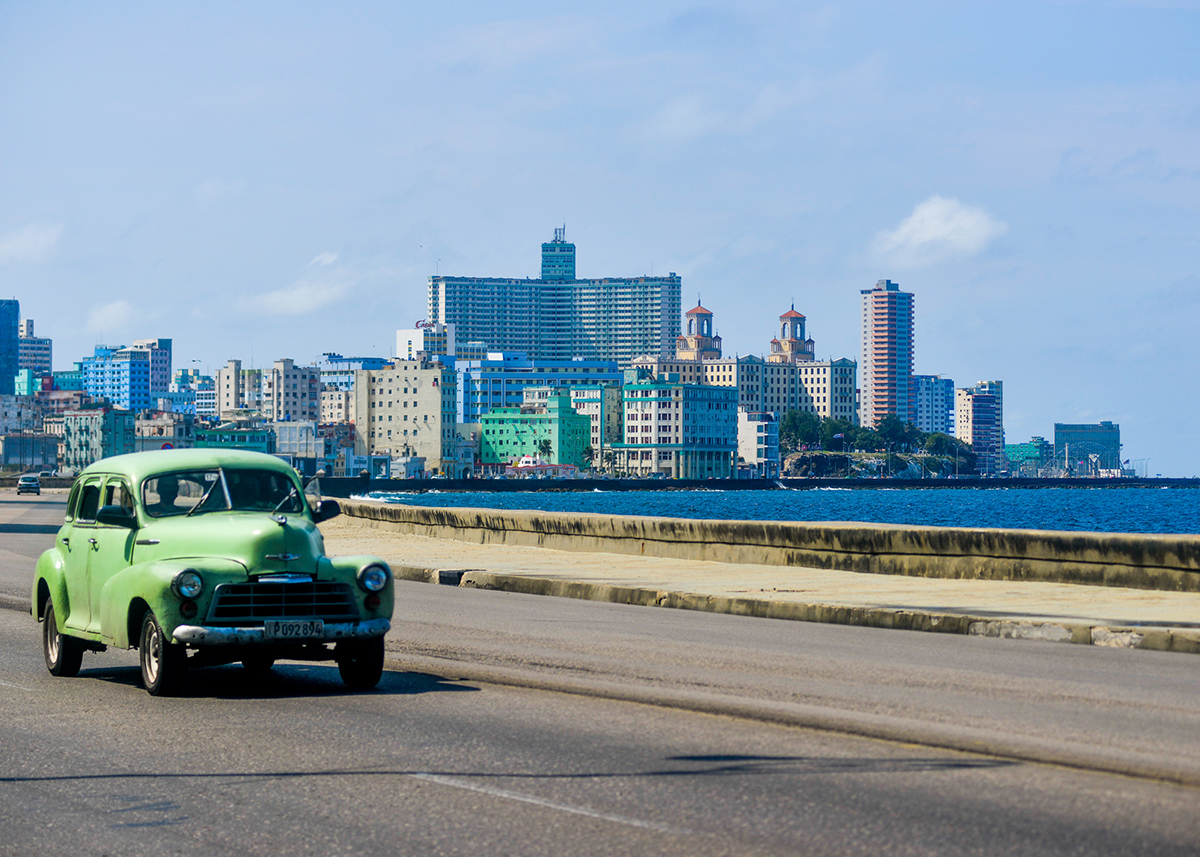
440, 760
27, 526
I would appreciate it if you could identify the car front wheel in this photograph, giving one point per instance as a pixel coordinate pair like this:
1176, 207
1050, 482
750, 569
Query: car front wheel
163, 663
64, 654
361, 664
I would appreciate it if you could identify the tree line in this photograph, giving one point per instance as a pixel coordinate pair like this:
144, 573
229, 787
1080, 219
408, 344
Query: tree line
802, 429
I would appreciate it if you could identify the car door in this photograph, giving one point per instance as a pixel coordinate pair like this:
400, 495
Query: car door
111, 547
77, 541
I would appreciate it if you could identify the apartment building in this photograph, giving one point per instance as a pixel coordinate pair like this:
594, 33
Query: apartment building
408, 408
676, 429
499, 380
33, 352
558, 316
508, 434
979, 421
887, 354
935, 403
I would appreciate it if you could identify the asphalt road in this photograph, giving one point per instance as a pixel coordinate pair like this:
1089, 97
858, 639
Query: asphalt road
27, 526
439, 760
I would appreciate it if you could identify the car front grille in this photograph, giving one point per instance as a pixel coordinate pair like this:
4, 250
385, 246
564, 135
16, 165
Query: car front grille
251, 603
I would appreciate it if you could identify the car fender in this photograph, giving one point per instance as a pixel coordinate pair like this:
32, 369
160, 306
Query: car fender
49, 579
350, 565
127, 594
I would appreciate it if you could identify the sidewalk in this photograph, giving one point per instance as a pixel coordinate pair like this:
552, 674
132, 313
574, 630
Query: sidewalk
1093, 615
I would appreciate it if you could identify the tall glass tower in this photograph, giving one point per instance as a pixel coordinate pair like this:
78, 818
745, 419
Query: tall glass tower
10, 320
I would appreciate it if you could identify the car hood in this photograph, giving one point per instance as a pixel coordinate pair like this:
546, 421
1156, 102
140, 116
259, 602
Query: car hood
261, 542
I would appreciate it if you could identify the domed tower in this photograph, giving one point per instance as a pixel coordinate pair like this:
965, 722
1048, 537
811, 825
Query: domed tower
698, 343
791, 346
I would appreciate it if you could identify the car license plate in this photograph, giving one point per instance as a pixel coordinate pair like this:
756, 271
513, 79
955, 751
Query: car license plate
294, 629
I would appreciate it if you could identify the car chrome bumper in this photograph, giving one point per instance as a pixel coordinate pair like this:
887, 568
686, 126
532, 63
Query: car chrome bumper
198, 635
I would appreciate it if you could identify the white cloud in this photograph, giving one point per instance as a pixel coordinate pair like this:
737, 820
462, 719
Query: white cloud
323, 259
938, 229
31, 244
297, 299
110, 318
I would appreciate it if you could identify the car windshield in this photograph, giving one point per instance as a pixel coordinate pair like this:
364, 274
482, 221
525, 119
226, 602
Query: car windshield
195, 491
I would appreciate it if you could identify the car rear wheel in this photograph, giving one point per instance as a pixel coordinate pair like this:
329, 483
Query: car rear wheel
361, 664
64, 654
163, 663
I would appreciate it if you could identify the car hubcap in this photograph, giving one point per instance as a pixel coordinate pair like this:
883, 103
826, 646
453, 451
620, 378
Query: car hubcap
51, 637
153, 653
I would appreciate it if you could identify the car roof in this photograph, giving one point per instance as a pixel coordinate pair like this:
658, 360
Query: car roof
143, 465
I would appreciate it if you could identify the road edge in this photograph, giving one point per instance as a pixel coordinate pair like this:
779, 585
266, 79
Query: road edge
1181, 640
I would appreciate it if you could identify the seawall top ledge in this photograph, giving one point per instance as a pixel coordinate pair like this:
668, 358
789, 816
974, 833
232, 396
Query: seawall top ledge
1170, 562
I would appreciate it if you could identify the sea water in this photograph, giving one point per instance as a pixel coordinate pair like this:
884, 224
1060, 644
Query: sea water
1114, 510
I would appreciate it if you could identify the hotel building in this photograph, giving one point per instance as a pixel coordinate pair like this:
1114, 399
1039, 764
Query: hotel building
558, 317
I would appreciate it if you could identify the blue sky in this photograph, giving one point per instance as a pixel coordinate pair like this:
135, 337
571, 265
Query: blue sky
280, 180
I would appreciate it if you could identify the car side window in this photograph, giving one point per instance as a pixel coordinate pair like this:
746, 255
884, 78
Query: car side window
72, 500
89, 502
116, 493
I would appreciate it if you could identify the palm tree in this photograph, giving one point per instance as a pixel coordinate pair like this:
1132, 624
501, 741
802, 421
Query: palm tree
589, 454
545, 448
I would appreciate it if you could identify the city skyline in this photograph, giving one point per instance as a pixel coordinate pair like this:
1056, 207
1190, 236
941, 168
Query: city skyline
282, 181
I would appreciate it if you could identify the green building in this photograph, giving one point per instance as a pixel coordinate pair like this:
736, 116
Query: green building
510, 433
231, 436
1028, 459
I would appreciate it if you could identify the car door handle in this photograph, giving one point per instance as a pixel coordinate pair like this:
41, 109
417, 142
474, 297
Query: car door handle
92, 542
66, 541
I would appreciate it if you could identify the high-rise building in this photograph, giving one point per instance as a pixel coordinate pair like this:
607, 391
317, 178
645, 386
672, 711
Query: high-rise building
557, 316
34, 353
10, 318
887, 354
979, 421
160, 362
935, 403
121, 375
1075, 444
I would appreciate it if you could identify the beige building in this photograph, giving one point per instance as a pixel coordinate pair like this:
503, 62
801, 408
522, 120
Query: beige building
979, 421
337, 405
408, 409
788, 379
291, 392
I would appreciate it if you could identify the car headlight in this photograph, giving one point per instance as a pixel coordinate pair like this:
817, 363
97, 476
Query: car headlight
188, 583
373, 577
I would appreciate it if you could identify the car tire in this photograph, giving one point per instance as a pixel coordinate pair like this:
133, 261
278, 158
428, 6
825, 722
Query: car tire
163, 663
64, 653
361, 663
258, 664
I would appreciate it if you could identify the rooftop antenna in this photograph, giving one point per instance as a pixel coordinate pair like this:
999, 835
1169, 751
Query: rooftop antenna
560, 235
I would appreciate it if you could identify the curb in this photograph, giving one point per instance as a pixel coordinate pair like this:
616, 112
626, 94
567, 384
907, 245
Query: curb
1160, 639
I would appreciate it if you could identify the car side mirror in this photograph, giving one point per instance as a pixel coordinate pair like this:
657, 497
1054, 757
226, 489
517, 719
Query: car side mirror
326, 509
116, 516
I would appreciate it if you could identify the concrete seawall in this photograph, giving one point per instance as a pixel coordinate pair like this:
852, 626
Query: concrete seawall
1170, 563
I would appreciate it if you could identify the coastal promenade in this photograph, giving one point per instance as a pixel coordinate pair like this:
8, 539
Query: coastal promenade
1159, 608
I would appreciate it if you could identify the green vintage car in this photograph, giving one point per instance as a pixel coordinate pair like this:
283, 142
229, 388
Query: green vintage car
206, 557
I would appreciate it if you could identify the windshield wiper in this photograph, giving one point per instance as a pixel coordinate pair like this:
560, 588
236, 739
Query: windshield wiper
219, 481
289, 495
